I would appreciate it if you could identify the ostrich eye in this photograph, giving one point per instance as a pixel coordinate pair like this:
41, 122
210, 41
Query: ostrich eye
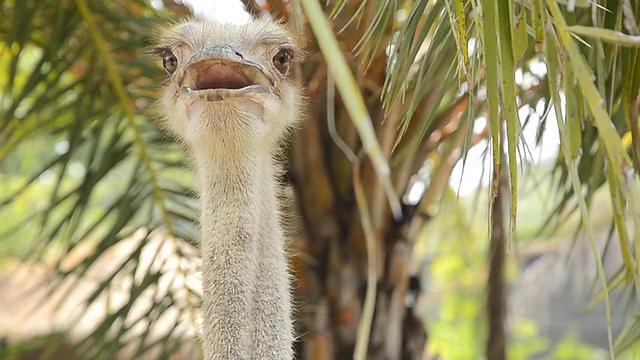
170, 62
282, 61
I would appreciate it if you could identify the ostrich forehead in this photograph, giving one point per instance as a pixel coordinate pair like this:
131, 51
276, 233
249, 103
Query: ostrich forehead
254, 37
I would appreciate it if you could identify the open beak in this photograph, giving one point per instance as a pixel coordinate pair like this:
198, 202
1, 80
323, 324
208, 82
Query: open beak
220, 72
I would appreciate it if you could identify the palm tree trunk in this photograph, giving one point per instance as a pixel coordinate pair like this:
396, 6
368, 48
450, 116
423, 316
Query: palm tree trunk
496, 297
330, 269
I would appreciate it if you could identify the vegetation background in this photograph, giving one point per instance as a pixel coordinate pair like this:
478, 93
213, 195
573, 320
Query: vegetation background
98, 245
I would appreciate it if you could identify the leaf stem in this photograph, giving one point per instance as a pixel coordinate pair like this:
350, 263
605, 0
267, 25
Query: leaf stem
125, 103
364, 327
353, 101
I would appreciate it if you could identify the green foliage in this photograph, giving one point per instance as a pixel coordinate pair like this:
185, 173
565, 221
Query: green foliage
570, 349
107, 174
452, 247
526, 342
49, 346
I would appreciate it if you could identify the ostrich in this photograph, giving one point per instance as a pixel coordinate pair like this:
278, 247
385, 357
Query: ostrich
231, 99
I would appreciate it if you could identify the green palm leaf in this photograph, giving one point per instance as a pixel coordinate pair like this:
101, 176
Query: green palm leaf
114, 173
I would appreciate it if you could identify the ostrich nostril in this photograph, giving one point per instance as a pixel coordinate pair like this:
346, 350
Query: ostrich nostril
240, 55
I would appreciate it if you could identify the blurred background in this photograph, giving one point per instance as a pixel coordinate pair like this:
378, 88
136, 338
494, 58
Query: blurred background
511, 133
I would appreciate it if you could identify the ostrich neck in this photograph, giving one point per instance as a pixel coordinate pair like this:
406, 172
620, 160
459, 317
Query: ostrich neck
246, 300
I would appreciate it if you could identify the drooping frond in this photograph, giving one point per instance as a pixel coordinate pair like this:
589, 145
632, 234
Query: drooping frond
77, 100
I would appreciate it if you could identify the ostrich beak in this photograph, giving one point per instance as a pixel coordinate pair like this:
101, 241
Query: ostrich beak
220, 72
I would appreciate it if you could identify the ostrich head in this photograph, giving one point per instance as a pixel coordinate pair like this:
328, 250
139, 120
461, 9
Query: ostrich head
229, 84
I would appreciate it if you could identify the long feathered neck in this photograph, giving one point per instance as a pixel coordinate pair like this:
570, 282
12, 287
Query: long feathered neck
246, 298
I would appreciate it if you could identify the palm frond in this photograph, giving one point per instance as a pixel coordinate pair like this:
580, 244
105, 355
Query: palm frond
76, 83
